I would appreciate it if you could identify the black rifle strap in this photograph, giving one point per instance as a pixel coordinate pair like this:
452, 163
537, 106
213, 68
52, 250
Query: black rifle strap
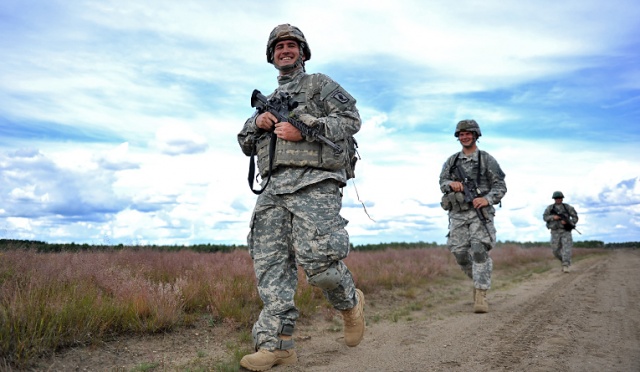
563, 207
252, 165
455, 164
479, 167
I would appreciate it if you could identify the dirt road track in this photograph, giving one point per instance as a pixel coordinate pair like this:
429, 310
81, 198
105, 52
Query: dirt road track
587, 320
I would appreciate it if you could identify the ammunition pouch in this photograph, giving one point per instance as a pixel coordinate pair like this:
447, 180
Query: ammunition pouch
351, 152
345, 160
307, 154
445, 203
454, 201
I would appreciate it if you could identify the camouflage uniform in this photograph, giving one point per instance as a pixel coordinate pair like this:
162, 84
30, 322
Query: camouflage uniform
296, 220
561, 239
468, 239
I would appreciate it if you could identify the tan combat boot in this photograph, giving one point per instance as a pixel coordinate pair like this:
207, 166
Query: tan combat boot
354, 322
481, 305
264, 359
565, 269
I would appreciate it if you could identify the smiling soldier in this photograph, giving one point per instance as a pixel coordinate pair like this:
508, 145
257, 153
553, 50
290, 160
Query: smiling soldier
296, 220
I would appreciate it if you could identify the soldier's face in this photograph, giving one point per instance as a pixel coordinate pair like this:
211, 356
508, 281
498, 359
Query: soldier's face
466, 138
286, 53
558, 200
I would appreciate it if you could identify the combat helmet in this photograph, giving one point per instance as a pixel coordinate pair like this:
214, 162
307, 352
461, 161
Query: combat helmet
468, 126
287, 32
557, 194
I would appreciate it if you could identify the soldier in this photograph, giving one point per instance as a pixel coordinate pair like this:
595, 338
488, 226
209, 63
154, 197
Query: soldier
296, 220
561, 218
471, 231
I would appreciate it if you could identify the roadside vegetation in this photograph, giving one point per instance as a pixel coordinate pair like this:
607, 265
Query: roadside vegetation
49, 301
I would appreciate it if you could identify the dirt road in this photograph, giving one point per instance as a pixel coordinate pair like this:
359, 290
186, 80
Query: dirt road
587, 320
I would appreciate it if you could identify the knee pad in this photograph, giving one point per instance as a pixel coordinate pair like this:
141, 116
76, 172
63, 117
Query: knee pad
462, 258
479, 253
327, 280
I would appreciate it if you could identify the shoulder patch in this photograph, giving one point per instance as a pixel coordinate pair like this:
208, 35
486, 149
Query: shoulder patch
340, 96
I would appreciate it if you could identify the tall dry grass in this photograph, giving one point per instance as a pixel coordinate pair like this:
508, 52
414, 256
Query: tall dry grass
390, 269
50, 301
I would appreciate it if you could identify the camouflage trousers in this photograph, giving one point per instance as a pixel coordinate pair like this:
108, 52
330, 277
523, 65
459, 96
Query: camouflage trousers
470, 243
302, 228
561, 245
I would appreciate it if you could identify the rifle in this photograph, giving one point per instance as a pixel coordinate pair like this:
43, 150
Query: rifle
471, 191
568, 225
281, 105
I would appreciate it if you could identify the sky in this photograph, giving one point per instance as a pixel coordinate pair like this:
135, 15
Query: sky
118, 119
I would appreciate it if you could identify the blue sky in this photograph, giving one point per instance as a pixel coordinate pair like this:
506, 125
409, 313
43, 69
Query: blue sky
118, 119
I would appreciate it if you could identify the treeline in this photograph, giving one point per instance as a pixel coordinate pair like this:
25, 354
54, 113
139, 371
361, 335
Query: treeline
579, 244
43, 247
394, 245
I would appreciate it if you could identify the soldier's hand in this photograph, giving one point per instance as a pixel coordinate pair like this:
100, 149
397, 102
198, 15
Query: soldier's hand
456, 186
480, 202
266, 121
287, 132
556, 217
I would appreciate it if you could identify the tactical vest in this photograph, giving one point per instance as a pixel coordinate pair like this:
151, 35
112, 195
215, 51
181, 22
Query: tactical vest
455, 200
304, 153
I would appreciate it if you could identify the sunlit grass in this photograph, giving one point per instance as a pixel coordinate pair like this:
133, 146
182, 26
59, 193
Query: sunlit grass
49, 301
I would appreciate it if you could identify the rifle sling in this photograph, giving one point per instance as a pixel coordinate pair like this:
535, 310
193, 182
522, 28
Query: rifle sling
565, 216
252, 165
479, 213
455, 164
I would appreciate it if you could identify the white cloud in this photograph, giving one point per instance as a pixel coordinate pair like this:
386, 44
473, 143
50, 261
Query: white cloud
176, 139
122, 118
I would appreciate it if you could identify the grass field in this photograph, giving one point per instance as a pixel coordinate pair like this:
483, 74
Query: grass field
49, 301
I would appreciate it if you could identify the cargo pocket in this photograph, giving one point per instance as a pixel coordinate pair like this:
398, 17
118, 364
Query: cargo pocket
333, 239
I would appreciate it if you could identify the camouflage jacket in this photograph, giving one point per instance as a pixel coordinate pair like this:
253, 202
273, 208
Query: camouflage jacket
492, 185
331, 108
548, 214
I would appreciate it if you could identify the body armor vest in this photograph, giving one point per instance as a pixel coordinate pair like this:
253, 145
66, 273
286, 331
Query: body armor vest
304, 153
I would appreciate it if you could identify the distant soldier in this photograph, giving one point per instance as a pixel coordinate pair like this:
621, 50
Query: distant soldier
561, 218
472, 182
